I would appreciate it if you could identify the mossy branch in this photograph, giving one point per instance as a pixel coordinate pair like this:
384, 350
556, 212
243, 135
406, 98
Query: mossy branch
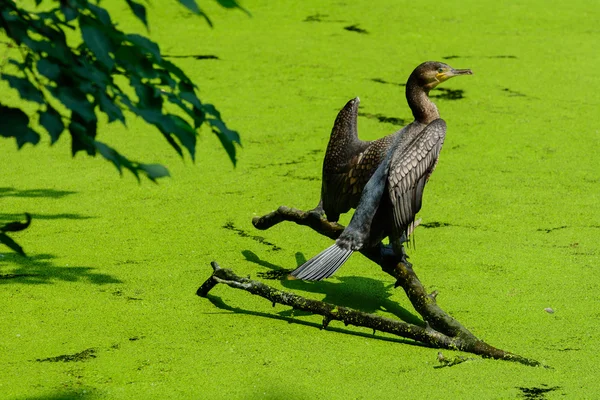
382, 255
441, 330
349, 316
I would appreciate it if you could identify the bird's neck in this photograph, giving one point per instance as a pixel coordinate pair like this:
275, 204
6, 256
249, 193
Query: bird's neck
422, 107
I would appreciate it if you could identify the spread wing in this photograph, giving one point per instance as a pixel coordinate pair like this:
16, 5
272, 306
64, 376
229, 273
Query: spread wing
343, 184
326, 263
412, 164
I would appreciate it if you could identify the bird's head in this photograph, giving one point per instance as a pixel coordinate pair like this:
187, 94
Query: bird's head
431, 73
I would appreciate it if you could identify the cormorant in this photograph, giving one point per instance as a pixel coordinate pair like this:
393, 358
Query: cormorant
392, 196
350, 162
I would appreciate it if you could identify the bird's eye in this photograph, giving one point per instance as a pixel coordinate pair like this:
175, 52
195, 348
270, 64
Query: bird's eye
440, 70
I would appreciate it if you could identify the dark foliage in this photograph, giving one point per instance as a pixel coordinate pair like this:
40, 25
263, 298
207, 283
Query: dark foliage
73, 81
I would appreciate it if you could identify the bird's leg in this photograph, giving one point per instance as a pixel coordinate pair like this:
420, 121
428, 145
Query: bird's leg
318, 211
404, 257
400, 250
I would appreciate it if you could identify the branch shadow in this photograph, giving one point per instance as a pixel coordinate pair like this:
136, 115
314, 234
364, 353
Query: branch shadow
32, 193
219, 303
360, 293
81, 394
40, 269
37, 193
19, 216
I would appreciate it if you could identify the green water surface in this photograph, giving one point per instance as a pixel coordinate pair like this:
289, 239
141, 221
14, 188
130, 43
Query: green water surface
107, 307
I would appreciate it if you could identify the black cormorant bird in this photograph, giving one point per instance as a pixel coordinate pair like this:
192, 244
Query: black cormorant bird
350, 162
392, 196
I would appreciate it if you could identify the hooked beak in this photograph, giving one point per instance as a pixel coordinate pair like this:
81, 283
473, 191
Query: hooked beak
455, 72
444, 76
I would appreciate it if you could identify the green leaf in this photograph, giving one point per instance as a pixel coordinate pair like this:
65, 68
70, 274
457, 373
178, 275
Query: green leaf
139, 11
16, 63
108, 107
193, 7
146, 44
82, 135
96, 41
227, 137
110, 154
14, 246
26, 89
154, 171
48, 69
30, 136
170, 124
102, 15
196, 114
228, 3
199, 117
52, 122
184, 133
175, 70
135, 62
231, 135
89, 74
148, 95
57, 49
165, 79
18, 26
50, 31
15, 123
211, 110
171, 141
75, 101
69, 12
191, 98
232, 4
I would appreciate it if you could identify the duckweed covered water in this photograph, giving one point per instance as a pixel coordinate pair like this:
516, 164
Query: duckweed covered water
511, 216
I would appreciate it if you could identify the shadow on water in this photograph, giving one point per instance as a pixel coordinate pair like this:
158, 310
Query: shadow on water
194, 56
360, 293
4, 217
33, 193
537, 393
6, 192
40, 269
219, 303
80, 394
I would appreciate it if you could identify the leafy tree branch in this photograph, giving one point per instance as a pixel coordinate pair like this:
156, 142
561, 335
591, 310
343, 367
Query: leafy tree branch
71, 85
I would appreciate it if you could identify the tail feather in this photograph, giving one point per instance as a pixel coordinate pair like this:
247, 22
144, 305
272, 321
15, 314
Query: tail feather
334, 263
323, 265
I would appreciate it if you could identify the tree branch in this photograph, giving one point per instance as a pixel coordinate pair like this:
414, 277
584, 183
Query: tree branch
313, 219
425, 304
405, 276
348, 316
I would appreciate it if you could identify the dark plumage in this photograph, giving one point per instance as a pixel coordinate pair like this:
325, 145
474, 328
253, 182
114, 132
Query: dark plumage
394, 186
350, 162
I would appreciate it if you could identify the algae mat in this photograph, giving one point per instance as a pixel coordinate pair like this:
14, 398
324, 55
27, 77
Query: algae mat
106, 305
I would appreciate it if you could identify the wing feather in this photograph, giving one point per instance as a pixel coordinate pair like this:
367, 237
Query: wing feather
414, 160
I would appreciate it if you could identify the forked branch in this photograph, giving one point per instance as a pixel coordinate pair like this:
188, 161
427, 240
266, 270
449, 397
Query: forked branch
440, 331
